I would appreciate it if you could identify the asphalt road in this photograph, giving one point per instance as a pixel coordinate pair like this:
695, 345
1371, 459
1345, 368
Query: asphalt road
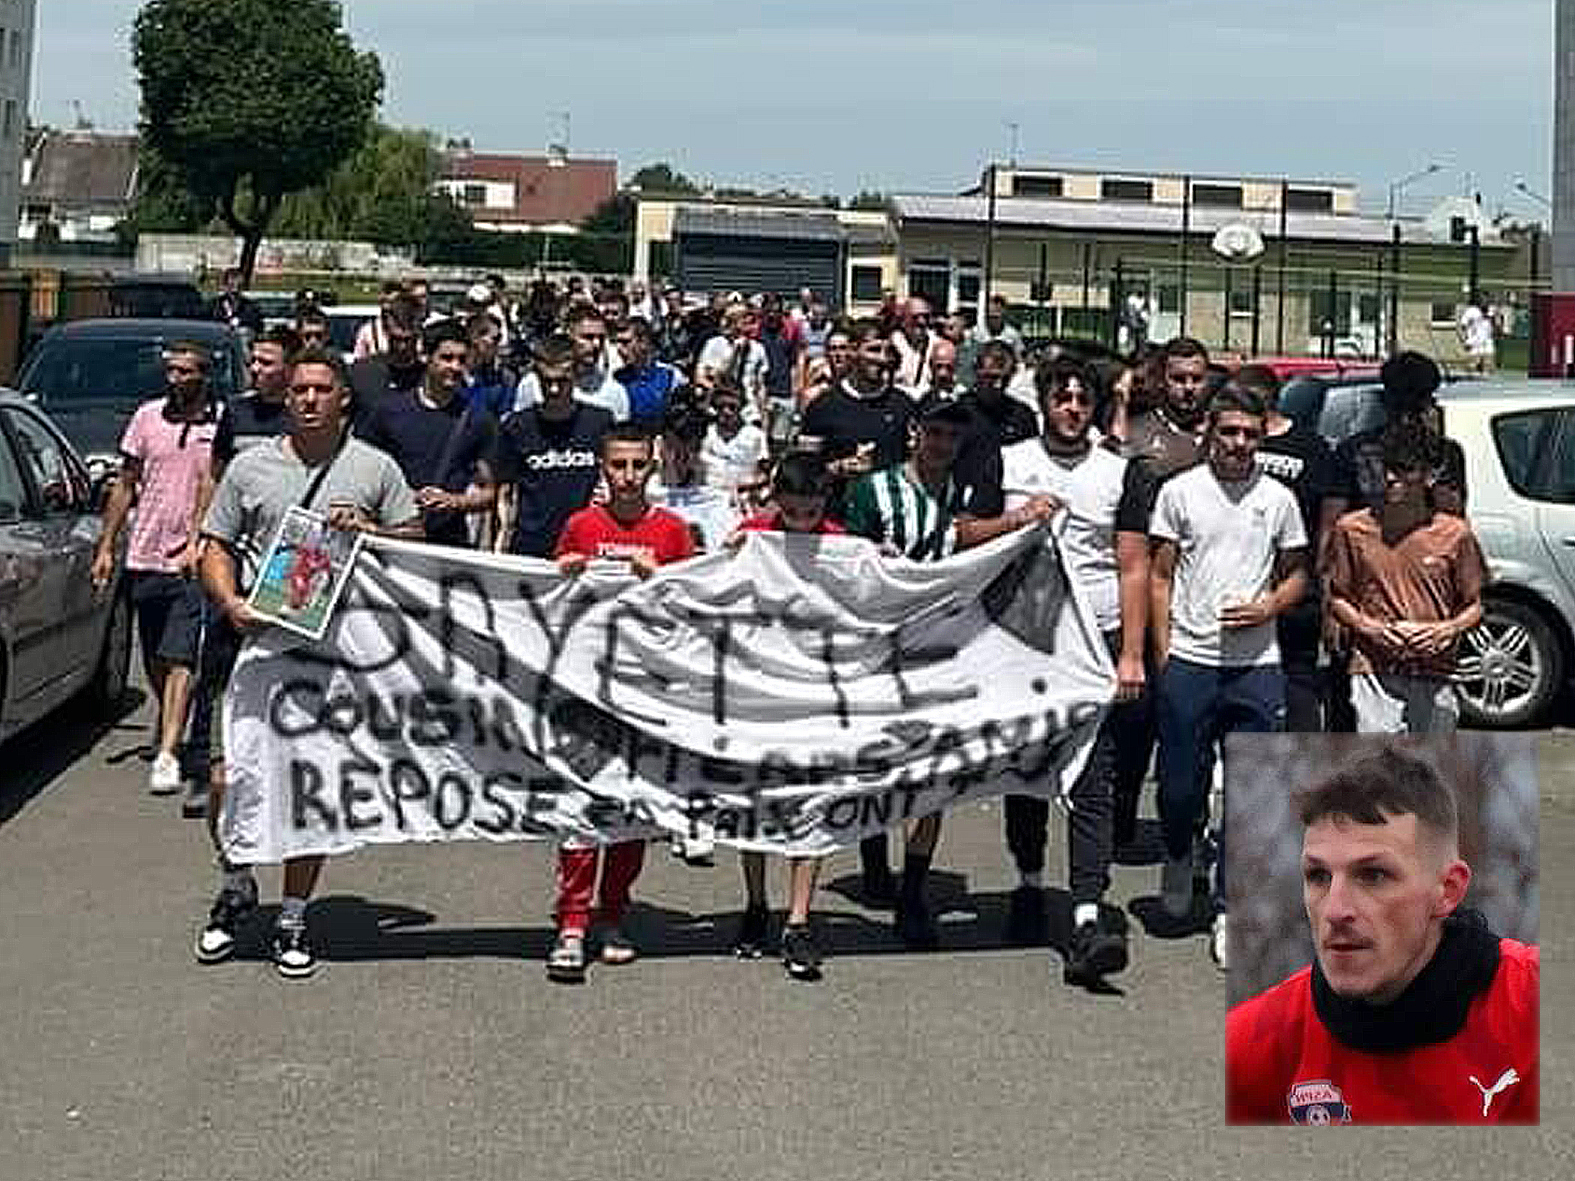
430, 1046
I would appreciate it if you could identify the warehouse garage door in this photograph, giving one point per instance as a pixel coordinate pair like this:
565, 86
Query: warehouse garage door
719, 251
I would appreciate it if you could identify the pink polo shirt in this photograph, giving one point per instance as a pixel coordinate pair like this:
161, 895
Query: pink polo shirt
174, 456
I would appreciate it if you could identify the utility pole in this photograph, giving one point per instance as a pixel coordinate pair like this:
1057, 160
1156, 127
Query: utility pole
989, 241
1279, 303
1186, 228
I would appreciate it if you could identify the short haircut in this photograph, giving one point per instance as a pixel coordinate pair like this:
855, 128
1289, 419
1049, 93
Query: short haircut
640, 327
686, 416
1238, 399
393, 286
627, 432
1057, 372
1410, 380
1184, 348
404, 311
311, 314
726, 389
555, 350
1410, 446
998, 349
200, 352
801, 473
282, 335
863, 329
450, 331
581, 312
316, 354
482, 324
1377, 786
1261, 380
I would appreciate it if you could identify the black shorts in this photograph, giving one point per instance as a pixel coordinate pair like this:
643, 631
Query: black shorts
169, 616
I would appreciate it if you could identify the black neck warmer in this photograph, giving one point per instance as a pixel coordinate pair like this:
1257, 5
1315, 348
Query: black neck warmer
1433, 1007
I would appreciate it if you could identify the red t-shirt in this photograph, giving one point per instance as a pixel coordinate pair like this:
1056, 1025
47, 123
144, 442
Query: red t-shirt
772, 523
1283, 1066
596, 533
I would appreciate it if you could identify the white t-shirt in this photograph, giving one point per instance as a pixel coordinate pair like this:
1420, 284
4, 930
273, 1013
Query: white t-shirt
708, 508
598, 388
1090, 486
735, 461
1227, 539
717, 356
1476, 331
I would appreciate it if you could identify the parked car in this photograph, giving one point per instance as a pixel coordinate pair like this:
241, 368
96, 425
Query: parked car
1519, 441
91, 375
59, 637
344, 321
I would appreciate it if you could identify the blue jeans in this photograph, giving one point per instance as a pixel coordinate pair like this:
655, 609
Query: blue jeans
1199, 704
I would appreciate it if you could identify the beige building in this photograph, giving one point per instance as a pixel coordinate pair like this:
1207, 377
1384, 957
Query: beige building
17, 27
1249, 264
1305, 271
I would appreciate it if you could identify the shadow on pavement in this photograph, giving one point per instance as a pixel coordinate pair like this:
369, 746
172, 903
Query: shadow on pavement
348, 928
43, 752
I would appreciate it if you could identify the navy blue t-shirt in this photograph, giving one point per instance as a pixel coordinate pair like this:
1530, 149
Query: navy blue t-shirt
419, 439
553, 466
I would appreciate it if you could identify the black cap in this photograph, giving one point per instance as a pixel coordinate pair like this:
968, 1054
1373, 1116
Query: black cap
951, 412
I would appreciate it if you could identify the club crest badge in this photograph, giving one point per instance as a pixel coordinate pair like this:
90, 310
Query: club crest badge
1318, 1103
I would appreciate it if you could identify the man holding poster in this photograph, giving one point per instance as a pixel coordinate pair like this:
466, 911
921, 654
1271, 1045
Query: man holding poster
317, 467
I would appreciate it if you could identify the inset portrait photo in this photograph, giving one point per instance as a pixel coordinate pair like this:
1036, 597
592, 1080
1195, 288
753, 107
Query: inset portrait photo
1382, 932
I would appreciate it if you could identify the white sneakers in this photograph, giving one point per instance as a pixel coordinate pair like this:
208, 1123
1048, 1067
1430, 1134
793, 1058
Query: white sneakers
164, 778
1217, 943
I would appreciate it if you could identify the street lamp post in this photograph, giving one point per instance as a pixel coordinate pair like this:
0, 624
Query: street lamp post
1391, 215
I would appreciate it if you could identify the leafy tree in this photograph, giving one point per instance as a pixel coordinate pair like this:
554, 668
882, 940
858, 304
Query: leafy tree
246, 101
616, 214
383, 193
868, 199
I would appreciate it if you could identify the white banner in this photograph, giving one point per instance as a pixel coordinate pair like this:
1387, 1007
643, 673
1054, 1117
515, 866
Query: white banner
796, 695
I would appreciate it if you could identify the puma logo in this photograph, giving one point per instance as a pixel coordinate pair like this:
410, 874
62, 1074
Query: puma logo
1508, 1079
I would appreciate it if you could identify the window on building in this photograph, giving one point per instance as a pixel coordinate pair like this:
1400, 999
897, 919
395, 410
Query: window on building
9, 130
1441, 313
931, 279
1241, 301
1309, 200
1224, 196
1169, 298
968, 287
1111, 189
1036, 186
474, 195
1367, 306
866, 283
1318, 313
14, 51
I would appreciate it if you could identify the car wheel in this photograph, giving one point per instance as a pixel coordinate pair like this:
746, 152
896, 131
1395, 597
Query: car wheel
1510, 666
107, 690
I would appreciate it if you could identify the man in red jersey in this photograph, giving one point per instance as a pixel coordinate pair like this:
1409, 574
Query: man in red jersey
626, 528
1413, 1012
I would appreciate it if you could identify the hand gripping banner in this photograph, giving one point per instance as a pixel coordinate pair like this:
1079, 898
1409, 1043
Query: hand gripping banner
793, 696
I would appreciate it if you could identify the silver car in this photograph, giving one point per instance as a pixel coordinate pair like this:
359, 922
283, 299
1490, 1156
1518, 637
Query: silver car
59, 637
1519, 440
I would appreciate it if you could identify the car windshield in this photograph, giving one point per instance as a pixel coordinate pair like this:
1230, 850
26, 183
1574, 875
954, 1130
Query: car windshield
116, 368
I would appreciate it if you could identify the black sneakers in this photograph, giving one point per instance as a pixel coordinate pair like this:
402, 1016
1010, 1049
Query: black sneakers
1098, 948
752, 932
800, 953
292, 954
231, 909
1026, 922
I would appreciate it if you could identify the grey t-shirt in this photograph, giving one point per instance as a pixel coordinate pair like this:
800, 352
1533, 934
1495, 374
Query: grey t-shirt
264, 482
1227, 538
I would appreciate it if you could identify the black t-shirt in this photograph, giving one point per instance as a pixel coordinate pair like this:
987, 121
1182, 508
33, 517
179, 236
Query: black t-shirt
434, 447
553, 466
996, 424
252, 419
373, 378
843, 421
1300, 460
1359, 470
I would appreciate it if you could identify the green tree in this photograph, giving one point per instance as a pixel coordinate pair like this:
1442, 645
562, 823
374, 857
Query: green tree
383, 193
246, 101
616, 214
868, 199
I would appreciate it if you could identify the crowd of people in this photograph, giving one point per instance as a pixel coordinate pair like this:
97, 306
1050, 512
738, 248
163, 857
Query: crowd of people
1243, 576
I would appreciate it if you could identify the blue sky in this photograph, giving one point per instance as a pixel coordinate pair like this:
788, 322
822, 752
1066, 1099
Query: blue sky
917, 95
